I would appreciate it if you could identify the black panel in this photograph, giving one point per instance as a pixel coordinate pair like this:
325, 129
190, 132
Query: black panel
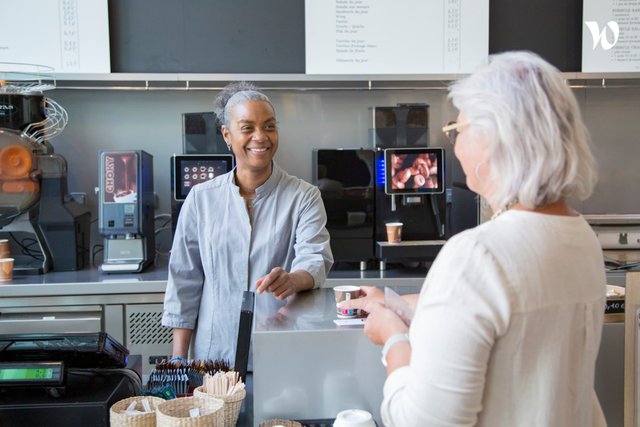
253, 36
551, 28
207, 36
345, 178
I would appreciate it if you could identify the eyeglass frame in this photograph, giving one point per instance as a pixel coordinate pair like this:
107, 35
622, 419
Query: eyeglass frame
450, 130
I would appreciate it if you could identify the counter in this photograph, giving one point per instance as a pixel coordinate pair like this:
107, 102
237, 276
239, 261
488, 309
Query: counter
127, 306
305, 366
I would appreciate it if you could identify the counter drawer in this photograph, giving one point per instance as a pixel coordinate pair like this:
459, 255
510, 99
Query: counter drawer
26, 320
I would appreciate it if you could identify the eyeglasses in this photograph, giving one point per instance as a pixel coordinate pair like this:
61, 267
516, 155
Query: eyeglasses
451, 131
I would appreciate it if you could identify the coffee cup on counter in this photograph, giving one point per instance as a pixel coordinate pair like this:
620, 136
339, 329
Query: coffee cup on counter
346, 293
4, 248
394, 232
6, 269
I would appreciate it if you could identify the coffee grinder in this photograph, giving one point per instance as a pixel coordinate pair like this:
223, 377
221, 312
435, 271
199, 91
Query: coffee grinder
126, 210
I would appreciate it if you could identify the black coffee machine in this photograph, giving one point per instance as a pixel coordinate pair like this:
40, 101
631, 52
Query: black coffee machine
205, 156
346, 179
409, 185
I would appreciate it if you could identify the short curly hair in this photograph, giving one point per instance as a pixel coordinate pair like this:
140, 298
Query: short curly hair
233, 94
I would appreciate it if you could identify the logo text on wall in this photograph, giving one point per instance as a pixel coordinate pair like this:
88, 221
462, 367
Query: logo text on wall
601, 36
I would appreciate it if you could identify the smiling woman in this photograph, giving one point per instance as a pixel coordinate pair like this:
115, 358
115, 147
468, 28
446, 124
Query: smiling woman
255, 228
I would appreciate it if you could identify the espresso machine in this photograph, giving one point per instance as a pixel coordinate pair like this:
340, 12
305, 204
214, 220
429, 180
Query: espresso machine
400, 138
126, 210
205, 156
346, 180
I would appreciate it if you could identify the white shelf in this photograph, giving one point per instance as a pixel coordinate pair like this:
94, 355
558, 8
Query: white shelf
302, 82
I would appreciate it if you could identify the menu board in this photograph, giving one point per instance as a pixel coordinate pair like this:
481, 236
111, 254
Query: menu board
611, 36
395, 37
69, 36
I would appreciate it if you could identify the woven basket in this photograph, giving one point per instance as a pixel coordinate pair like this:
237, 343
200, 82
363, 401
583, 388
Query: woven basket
280, 422
118, 417
175, 412
232, 403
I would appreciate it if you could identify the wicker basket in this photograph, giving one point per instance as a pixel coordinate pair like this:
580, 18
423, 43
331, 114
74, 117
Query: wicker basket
118, 417
280, 422
175, 412
232, 403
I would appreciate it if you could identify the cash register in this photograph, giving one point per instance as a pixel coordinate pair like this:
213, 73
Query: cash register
63, 379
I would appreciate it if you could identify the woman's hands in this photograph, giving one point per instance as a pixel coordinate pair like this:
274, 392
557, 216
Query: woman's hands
381, 322
283, 284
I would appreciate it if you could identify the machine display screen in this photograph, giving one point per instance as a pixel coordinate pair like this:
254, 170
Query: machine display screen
120, 180
190, 170
414, 170
31, 373
25, 373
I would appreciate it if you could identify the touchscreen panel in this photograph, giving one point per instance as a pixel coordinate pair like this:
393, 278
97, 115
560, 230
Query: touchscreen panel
414, 170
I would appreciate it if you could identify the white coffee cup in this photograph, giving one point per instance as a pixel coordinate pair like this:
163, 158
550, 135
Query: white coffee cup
354, 418
346, 293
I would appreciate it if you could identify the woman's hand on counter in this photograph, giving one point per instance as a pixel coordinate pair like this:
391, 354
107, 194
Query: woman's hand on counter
283, 284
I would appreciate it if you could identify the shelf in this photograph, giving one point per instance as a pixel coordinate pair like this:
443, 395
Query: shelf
305, 82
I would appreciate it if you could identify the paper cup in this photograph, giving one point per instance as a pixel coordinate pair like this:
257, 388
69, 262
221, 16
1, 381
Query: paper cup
394, 232
345, 293
4, 248
6, 269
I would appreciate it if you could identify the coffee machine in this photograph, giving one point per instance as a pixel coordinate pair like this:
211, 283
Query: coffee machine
126, 210
206, 156
346, 180
403, 191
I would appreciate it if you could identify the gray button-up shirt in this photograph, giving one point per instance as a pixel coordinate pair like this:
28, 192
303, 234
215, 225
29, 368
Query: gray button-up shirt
221, 248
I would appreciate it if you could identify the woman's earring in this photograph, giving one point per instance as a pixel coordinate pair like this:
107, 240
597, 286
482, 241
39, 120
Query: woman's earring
229, 147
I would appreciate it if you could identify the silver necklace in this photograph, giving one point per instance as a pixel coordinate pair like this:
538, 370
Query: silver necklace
502, 210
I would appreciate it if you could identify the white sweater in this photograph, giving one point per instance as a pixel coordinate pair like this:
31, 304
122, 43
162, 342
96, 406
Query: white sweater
507, 329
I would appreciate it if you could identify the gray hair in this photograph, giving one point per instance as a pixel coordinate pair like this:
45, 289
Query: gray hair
538, 145
234, 94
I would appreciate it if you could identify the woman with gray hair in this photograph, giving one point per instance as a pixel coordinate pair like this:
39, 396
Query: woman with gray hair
506, 328
255, 228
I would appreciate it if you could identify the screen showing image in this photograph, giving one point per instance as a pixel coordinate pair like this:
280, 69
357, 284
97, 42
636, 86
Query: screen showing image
120, 177
193, 170
414, 170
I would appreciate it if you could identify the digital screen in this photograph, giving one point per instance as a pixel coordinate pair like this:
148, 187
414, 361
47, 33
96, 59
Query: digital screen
414, 170
120, 179
13, 374
190, 170
31, 373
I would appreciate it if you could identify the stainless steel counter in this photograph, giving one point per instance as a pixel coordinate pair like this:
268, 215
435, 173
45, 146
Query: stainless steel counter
307, 367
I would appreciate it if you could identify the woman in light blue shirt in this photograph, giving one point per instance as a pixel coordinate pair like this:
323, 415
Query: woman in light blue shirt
255, 228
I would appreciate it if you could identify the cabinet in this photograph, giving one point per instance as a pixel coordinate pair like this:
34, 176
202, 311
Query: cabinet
127, 307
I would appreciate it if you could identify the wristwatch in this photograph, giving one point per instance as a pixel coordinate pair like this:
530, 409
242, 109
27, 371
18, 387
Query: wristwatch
393, 339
